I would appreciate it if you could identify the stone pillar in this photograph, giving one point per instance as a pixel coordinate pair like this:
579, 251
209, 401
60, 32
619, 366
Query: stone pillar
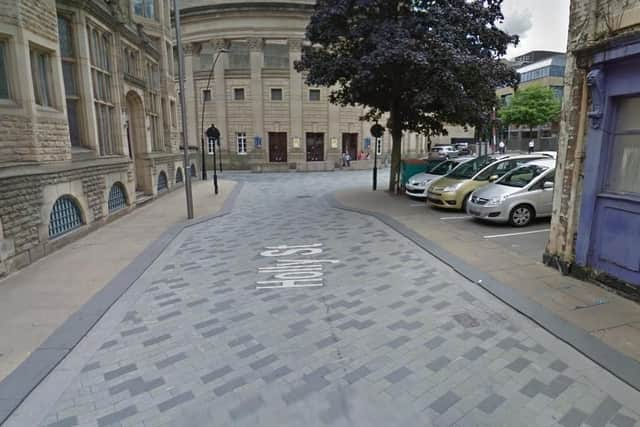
190, 50
256, 58
220, 98
295, 94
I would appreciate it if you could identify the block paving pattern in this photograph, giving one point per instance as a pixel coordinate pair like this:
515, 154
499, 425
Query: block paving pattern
393, 338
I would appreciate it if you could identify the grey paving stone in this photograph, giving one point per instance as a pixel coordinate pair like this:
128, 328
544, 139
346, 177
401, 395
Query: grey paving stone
240, 340
91, 367
229, 386
603, 413
424, 299
171, 360
265, 361
474, 353
491, 403
169, 302
169, 315
175, 401
365, 310
434, 342
108, 344
356, 324
398, 375
438, 363
623, 421
444, 402
247, 407
278, 373
213, 332
156, 340
134, 331
136, 386
242, 316
397, 342
573, 418
66, 422
197, 302
519, 364
117, 416
250, 351
120, 371
357, 374
214, 375
325, 342
439, 287
441, 305
558, 366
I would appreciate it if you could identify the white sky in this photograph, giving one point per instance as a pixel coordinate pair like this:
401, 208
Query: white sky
541, 24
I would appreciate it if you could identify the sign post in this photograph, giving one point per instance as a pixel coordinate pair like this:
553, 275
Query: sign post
214, 137
377, 131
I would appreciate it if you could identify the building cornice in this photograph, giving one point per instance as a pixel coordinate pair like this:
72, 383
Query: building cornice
198, 11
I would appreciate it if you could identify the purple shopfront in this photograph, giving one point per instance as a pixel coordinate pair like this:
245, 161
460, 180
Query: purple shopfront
609, 230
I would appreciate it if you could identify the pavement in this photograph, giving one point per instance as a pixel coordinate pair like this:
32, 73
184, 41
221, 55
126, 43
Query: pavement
38, 299
514, 258
288, 311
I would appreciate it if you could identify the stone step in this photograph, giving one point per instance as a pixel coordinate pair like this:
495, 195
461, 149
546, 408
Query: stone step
142, 198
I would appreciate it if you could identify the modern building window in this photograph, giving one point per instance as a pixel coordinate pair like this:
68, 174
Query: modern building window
144, 8
314, 95
239, 55
276, 55
69, 70
41, 74
276, 94
623, 177
241, 142
101, 75
206, 95
238, 94
153, 83
4, 72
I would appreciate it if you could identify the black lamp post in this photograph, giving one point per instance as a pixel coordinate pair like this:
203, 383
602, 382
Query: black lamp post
377, 131
214, 137
204, 104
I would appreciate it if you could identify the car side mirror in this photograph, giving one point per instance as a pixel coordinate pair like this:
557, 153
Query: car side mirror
547, 185
493, 178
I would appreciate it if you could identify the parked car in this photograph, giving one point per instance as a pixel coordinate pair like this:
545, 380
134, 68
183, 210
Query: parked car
453, 190
463, 148
520, 196
443, 152
418, 183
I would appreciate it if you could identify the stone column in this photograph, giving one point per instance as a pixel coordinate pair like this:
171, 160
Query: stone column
256, 58
295, 94
190, 50
220, 98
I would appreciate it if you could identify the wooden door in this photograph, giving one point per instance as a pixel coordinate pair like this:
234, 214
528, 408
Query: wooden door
315, 147
278, 147
350, 144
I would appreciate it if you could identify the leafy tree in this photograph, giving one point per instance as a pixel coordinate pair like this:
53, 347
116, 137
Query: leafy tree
533, 106
426, 63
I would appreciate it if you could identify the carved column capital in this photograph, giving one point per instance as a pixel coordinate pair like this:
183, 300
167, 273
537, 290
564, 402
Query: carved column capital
219, 44
595, 81
295, 44
255, 44
192, 48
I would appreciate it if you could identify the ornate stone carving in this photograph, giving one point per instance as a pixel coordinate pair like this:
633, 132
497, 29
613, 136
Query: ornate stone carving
255, 44
219, 44
295, 44
595, 80
192, 48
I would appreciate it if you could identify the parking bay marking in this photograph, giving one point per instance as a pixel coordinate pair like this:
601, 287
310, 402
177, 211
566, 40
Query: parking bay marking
522, 233
294, 273
446, 218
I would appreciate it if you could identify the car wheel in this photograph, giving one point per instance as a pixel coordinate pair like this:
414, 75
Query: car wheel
521, 216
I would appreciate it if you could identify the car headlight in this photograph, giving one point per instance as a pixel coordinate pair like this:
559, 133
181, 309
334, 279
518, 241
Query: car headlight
425, 182
495, 201
451, 188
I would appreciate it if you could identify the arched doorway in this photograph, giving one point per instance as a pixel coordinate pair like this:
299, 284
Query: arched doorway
136, 137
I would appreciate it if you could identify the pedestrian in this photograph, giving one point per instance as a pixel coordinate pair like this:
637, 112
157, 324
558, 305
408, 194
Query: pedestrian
503, 148
344, 158
532, 145
348, 159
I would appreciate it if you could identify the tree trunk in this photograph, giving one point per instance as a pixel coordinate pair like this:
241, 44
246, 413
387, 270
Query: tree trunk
396, 138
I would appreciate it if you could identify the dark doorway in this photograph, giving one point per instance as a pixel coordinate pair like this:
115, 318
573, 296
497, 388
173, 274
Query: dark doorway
350, 144
315, 147
278, 147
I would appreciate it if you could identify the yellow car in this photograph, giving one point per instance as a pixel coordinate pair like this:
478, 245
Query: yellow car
452, 191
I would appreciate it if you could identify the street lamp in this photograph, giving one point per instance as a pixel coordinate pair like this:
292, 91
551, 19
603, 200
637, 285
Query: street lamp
204, 104
213, 134
185, 139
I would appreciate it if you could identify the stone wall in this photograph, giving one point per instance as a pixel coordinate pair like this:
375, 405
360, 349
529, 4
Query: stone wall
16, 139
52, 139
9, 12
39, 16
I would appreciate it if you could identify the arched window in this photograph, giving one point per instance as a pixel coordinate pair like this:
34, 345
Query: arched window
65, 216
162, 182
179, 177
194, 172
117, 198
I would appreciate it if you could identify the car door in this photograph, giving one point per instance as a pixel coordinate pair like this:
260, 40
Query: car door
546, 194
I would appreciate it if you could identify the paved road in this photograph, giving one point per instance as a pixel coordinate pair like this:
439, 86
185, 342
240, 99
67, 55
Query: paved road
375, 332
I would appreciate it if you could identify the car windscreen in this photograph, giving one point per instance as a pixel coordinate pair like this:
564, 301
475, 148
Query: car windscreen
444, 167
469, 169
430, 164
521, 176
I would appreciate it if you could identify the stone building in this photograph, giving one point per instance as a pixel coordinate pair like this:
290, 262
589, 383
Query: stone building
87, 118
268, 117
536, 68
595, 230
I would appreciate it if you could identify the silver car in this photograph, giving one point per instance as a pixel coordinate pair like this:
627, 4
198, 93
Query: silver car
417, 185
521, 195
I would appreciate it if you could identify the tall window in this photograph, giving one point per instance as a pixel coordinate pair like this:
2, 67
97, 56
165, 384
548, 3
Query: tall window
276, 55
174, 119
4, 74
625, 151
69, 67
241, 142
238, 55
41, 74
144, 8
130, 61
101, 74
153, 83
